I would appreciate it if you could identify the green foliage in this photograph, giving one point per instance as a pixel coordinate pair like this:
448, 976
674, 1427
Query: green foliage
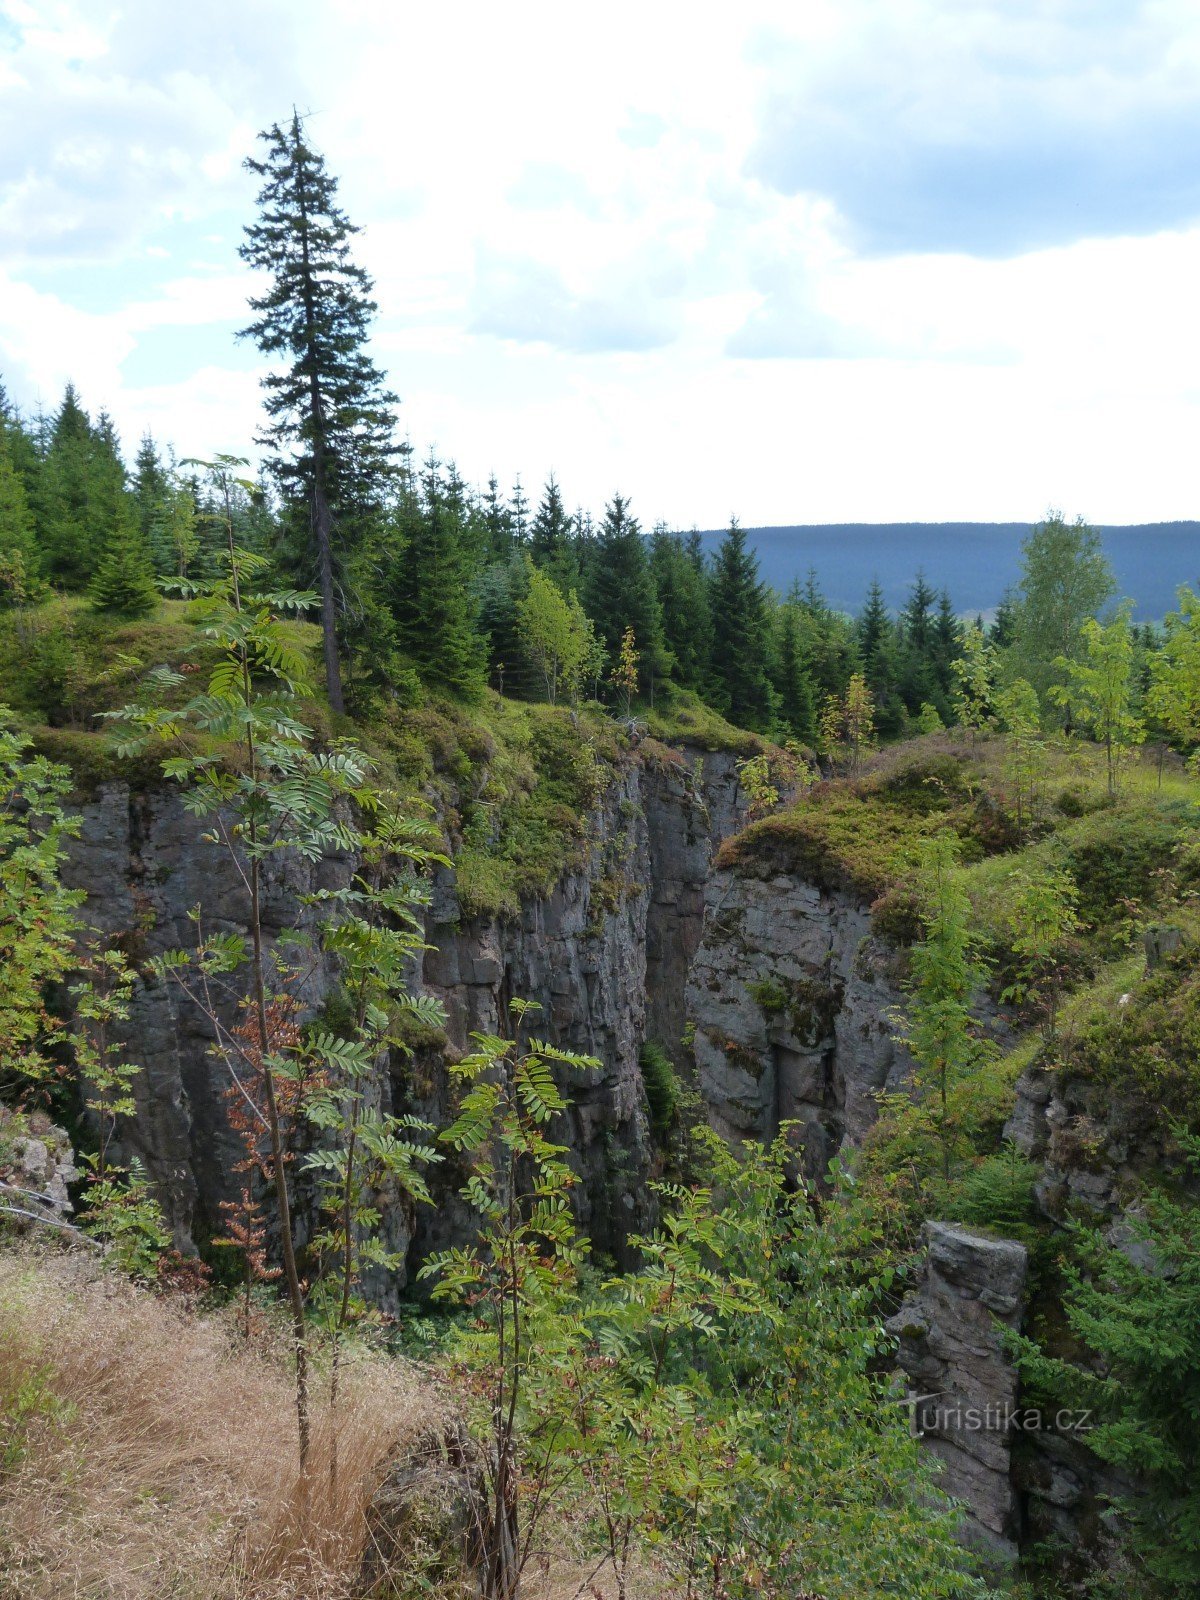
837, 835
1043, 919
681, 583
124, 580
939, 1027
556, 636
661, 1085
738, 604
519, 1275
1173, 700
1099, 690
1116, 860
331, 415
18, 551
619, 592
121, 1211
37, 914
28, 1400
1065, 581
997, 1194
424, 583
1147, 1050
975, 677
718, 1405
284, 793
1025, 756
1133, 1301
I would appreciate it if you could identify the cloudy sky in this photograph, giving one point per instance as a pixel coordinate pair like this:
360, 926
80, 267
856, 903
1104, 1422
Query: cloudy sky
870, 259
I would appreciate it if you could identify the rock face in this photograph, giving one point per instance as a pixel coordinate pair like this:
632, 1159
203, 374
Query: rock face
36, 1167
791, 997
604, 956
963, 1386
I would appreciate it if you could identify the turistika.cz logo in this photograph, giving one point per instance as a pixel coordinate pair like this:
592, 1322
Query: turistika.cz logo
925, 1416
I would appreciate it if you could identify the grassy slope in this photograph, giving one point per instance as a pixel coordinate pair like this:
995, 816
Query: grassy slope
1134, 862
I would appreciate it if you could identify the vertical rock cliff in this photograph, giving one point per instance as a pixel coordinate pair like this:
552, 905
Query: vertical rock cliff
791, 997
604, 955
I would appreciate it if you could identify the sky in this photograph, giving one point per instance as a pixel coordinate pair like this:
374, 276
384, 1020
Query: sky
862, 260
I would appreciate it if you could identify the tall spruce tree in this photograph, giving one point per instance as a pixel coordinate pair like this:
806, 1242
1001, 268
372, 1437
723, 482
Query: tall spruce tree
152, 492
619, 591
331, 415
427, 585
739, 669
793, 682
550, 538
66, 526
498, 521
18, 552
683, 598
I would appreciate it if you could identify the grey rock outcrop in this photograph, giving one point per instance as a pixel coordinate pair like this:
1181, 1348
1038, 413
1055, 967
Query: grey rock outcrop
37, 1166
791, 998
963, 1385
604, 956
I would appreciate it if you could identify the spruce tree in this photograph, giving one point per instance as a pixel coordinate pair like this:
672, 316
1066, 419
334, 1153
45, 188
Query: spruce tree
794, 687
65, 529
550, 541
619, 591
427, 585
124, 578
21, 443
739, 669
683, 598
518, 512
946, 647
1004, 624
331, 415
498, 521
152, 491
18, 552
877, 649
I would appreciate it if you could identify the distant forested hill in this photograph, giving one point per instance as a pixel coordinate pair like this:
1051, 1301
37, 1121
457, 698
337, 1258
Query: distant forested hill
976, 561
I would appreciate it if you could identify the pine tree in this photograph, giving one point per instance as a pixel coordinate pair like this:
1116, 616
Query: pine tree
152, 490
550, 539
18, 552
518, 512
739, 635
916, 677
619, 591
683, 597
797, 703
877, 650
426, 586
1004, 624
21, 443
498, 521
332, 418
65, 527
947, 645
124, 579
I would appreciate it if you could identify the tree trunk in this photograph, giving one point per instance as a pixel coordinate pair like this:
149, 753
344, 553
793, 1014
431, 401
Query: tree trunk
322, 530
322, 521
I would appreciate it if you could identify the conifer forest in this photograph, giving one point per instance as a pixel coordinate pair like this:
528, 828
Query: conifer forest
536, 1063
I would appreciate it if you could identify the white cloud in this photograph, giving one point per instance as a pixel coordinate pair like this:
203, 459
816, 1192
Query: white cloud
588, 255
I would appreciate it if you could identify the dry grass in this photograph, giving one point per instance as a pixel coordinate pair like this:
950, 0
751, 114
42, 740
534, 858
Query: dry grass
157, 1456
